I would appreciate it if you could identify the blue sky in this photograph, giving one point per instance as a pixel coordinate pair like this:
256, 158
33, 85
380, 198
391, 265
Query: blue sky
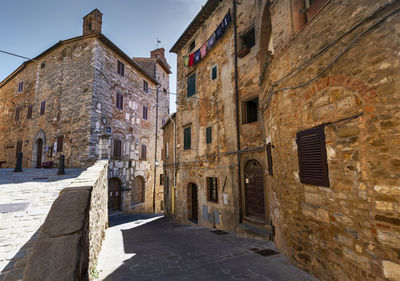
29, 27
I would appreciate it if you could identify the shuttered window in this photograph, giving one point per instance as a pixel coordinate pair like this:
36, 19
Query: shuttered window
119, 101
42, 107
208, 135
145, 112
313, 163
145, 86
269, 158
187, 138
17, 114
214, 73
120, 68
20, 86
191, 85
117, 149
29, 114
212, 187
18, 148
143, 153
60, 142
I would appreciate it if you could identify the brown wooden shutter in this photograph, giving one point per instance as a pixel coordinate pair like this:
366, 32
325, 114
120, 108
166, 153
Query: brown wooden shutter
29, 114
60, 141
42, 107
17, 113
143, 152
269, 158
313, 163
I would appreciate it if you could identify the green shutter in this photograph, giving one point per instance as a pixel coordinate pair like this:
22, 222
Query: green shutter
187, 138
208, 135
191, 85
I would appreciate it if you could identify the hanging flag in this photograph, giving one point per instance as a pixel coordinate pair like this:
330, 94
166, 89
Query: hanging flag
227, 20
211, 41
219, 32
197, 56
191, 59
203, 50
186, 60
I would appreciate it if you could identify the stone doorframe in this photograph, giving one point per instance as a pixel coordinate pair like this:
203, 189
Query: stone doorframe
40, 135
117, 174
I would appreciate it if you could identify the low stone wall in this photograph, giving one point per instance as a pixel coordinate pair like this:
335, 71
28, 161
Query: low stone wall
71, 237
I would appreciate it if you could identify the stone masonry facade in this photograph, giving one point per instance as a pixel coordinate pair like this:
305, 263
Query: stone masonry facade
85, 98
330, 66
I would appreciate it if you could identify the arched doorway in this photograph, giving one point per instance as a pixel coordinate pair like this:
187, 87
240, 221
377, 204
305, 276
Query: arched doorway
192, 202
39, 153
254, 190
137, 193
114, 194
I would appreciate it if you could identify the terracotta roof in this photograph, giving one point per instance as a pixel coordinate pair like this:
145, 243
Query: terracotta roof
196, 23
171, 116
101, 37
149, 63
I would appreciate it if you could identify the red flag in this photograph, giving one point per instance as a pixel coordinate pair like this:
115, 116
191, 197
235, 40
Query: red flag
191, 59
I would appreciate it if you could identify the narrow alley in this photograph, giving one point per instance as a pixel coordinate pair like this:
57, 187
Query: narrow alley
151, 247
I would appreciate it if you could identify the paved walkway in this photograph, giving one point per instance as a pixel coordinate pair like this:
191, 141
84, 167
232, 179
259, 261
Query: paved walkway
25, 200
140, 247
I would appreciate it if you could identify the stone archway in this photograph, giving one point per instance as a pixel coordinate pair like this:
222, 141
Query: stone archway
192, 202
38, 151
114, 194
254, 190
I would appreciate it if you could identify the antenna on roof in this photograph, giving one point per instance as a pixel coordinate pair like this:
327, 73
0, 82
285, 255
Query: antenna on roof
158, 42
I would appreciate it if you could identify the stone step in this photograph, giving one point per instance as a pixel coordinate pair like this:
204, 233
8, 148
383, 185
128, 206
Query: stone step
263, 232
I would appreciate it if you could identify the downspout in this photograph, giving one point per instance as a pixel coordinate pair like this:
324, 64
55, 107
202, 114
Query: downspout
155, 154
237, 110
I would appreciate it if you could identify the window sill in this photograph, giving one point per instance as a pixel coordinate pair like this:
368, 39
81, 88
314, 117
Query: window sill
243, 52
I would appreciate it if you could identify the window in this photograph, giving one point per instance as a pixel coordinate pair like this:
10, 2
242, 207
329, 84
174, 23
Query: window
250, 111
313, 163
60, 142
119, 101
17, 114
144, 112
43, 65
212, 188
20, 86
166, 150
42, 107
214, 73
143, 155
248, 39
192, 45
304, 10
120, 68
269, 158
117, 152
18, 148
161, 179
145, 86
187, 138
208, 135
29, 114
191, 85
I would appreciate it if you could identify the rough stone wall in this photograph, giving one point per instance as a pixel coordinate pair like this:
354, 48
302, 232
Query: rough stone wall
349, 231
64, 83
71, 236
127, 125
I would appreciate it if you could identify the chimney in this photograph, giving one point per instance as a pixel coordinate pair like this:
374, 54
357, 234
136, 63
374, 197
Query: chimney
92, 22
158, 54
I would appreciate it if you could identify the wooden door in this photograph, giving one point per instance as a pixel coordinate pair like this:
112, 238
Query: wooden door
114, 194
195, 204
254, 190
39, 146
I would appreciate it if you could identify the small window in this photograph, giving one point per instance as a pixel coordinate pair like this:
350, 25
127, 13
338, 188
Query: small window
20, 86
191, 85
43, 65
212, 188
145, 86
42, 107
192, 45
161, 179
18, 148
250, 111
29, 114
130, 164
214, 73
313, 165
165, 91
143, 153
117, 149
145, 112
248, 39
17, 114
60, 142
166, 150
120, 68
163, 121
303, 11
208, 135
187, 138
119, 103
269, 158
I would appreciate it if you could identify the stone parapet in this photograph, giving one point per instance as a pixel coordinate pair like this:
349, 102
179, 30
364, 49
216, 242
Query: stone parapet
71, 236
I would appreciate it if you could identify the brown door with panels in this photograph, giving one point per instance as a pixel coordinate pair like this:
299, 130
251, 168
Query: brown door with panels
39, 145
195, 205
114, 194
254, 190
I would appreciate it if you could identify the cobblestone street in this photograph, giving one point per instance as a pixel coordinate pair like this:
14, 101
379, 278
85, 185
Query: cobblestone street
143, 247
25, 200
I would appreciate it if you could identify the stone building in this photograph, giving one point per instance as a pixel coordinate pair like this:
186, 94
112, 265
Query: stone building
86, 99
304, 145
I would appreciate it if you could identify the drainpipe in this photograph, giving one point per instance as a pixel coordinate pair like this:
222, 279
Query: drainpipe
237, 109
155, 153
